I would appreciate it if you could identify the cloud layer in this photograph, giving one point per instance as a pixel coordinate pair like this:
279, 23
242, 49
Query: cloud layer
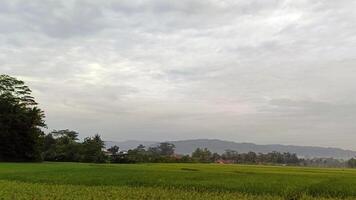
276, 71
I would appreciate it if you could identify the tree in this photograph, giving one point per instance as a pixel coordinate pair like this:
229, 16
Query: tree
251, 157
215, 157
70, 135
166, 149
92, 149
230, 155
141, 148
114, 150
154, 151
20, 122
15, 91
49, 144
352, 163
61, 145
140, 155
202, 155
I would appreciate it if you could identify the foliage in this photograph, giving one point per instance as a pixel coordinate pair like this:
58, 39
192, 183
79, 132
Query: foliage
114, 150
92, 150
62, 146
66, 134
20, 122
202, 155
323, 162
253, 158
15, 91
166, 149
163, 152
352, 163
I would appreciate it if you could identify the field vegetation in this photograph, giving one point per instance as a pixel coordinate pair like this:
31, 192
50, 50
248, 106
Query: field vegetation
172, 181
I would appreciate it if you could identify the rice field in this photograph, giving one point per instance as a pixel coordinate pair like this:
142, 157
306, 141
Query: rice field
172, 181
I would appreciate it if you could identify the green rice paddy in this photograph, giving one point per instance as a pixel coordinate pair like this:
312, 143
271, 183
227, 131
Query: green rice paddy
172, 181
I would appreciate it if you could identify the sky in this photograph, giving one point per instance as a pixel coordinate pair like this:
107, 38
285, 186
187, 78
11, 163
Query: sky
261, 71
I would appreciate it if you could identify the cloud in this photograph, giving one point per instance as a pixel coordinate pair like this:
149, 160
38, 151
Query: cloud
276, 71
53, 18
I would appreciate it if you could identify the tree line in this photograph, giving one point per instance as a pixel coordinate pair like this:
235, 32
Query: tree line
164, 152
64, 146
22, 140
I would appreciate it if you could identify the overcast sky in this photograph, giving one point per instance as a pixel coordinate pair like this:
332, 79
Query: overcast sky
262, 71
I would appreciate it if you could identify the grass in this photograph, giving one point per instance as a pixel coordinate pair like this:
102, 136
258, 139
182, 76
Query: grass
172, 181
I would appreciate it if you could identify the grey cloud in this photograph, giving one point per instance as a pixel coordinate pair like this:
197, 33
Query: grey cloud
261, 71
305, 108
53, 18
195, 7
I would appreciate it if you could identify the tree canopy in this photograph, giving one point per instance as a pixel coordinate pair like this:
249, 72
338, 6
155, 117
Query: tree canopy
15, 91
20, 122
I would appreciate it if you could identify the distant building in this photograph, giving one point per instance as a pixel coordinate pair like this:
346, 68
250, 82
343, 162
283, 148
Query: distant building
221, 161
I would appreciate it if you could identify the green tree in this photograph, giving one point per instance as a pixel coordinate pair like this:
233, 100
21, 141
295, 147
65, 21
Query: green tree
141, 148
92, 150
69, 135
215, 157
62, 145
140, 155
49, 144
202, 155
352, 163
166, 149
20, 122
231, 155
114, 150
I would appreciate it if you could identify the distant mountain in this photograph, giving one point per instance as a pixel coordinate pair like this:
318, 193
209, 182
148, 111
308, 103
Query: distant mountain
219, 146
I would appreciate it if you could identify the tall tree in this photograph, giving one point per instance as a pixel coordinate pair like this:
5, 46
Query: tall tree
61, 145
20, 122
114, 150
202, 155
92, 149
352, 163
71, 135
166, 149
